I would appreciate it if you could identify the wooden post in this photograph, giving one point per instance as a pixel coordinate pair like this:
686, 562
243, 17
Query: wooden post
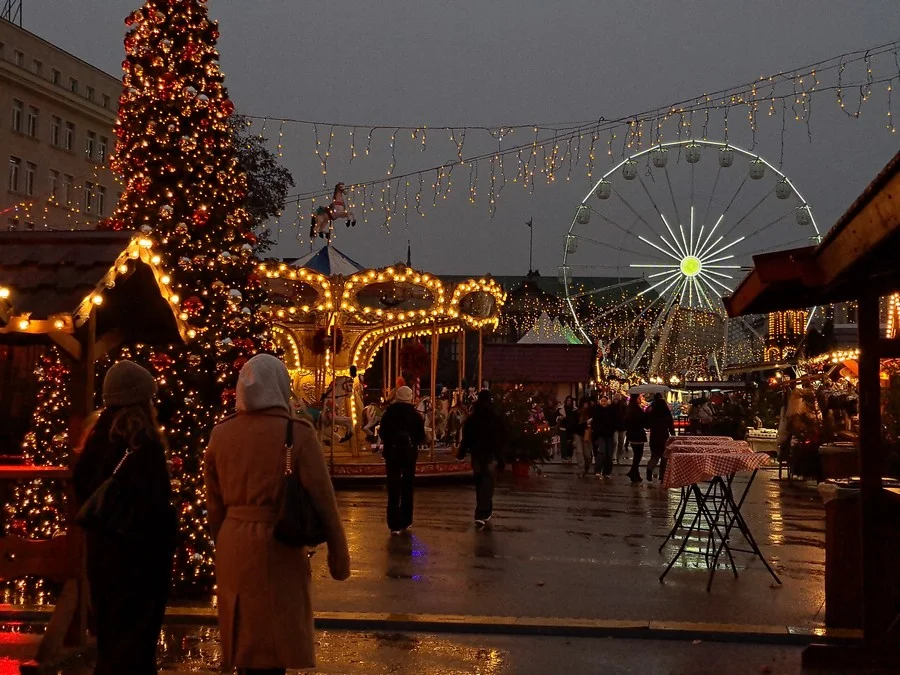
386, 368
875, 618
334, 329
397, 348
461, 358
480, 358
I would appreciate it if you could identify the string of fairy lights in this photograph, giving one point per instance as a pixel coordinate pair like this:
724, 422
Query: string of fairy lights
484, 160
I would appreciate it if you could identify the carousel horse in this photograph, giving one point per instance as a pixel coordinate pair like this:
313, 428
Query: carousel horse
343, 389
424, 408
322, 219
371, 418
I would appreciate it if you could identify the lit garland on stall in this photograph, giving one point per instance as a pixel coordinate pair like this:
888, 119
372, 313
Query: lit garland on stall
183, 184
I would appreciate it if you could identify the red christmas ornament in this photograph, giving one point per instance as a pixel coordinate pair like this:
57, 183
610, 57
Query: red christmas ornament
226, 107
253, 281
243, 343
161, 361
192, 306
204, 123
228, 397
239, 363
250, 236
177, 466
200, 217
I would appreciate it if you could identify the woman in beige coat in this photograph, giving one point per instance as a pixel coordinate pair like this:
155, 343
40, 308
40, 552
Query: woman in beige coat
265, 612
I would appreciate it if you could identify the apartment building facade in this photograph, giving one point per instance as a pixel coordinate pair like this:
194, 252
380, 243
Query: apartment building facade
57, 115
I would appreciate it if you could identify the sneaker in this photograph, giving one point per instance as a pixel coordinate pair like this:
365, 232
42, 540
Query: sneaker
479, 523
488, 519
396, 533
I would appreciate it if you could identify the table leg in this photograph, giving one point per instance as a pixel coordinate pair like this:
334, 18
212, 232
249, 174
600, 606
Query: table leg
695, 491
679, 518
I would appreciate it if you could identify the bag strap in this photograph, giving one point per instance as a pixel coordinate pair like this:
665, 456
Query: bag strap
289, 448
122, 461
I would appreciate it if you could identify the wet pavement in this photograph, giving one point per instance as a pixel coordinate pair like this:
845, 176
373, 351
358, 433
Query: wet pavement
560, 546
197, 651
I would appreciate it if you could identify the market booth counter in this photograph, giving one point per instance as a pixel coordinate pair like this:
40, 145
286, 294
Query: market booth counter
856, 260
86, 293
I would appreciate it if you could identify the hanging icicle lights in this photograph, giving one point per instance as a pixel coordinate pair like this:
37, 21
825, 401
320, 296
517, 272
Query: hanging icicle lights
554, 151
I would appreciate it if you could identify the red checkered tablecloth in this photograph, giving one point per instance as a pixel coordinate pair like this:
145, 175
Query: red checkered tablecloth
688, 466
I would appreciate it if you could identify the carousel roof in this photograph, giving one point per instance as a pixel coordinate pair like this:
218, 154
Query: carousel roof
328, 261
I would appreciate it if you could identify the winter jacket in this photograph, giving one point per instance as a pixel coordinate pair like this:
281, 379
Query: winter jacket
603, 421
661, 423
621, 408
400, 418
483, 435
264, 603
635, 425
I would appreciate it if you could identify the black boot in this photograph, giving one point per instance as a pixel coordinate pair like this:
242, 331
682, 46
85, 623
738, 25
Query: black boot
649, 474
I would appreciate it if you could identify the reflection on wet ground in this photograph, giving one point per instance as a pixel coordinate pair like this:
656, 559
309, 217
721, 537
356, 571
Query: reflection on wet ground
563, 546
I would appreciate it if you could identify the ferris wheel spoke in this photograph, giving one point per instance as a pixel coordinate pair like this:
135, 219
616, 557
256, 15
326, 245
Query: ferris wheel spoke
658, 248
674, 274
614, 247
604, 289
712, 194
709, 236
619, 227
706, 263
709, 284
654, 327
679, 251
706, 270
638, 317
652, 201
724, 248
735, 195
768, 225
672, 194
750, 212
633, 210
612, 310
702, 293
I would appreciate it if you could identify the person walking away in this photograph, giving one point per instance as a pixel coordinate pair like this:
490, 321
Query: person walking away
581, 438
483, 436
603, 427
620, 406
662, 425
402, 431
636, 435
567, 425
263, 586
129, 575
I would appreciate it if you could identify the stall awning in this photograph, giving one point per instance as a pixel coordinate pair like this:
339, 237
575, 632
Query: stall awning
858, 254
50, 282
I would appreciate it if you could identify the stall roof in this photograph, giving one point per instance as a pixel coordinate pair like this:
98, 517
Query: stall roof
50, 277
857, 254
538, 363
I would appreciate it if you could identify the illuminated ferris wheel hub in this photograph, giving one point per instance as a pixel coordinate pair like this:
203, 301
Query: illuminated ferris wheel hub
670, 238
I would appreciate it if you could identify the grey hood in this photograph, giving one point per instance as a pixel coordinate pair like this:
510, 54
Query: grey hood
263, 383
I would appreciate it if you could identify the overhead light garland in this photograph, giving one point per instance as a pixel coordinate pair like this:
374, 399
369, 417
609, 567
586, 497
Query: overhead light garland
560, 151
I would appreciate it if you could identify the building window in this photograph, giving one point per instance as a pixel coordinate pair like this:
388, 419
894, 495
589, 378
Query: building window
70, 137
55, 76
73, 85
15, 167
54, 183
17, 113
89, 93
68, 187
55, 131
101, 200
89, 145
106, 101
32, 121
30, 171
102, 144
19, 58
90, 197
37, 67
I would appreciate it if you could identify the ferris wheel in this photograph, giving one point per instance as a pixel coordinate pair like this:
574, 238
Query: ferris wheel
661, 237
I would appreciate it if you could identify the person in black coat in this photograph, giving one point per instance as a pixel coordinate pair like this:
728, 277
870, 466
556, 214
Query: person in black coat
483, 436
129, 575
636, 435
402, 430
603, 428
567, 423
662, 425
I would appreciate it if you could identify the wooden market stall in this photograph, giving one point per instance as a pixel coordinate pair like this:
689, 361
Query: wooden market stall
856, 260
87, 293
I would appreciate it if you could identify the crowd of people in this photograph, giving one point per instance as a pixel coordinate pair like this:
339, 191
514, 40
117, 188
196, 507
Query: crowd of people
601, 430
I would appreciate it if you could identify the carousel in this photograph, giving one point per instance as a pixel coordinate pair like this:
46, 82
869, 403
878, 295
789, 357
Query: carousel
350, 336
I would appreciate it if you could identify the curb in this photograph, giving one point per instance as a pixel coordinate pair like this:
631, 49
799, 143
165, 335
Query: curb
510, 625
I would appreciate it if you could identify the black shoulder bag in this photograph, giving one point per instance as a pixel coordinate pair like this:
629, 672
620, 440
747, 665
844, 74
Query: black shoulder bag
111, 508
298, 523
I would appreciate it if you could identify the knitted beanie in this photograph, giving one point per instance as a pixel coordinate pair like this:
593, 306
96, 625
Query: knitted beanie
127, 383
404, 395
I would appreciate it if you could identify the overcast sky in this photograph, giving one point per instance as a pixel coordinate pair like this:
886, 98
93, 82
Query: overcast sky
415, 62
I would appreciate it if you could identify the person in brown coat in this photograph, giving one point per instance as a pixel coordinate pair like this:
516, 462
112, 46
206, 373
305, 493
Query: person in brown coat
265, 611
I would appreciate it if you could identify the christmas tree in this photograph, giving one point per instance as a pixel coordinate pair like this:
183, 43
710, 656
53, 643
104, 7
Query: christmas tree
37, 509
184, 188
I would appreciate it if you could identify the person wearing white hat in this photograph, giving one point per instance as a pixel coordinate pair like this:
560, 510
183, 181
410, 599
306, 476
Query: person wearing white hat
402, 430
